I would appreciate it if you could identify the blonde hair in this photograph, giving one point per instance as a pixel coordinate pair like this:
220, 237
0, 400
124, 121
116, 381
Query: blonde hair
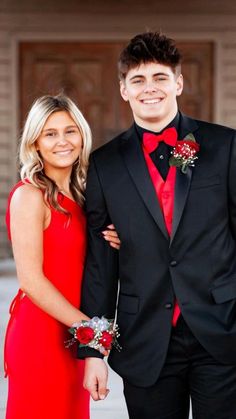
30, 160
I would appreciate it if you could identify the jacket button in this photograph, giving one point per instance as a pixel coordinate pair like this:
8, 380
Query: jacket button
173, 263
168, 306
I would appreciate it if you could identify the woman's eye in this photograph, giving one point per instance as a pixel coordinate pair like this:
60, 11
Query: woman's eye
71, 131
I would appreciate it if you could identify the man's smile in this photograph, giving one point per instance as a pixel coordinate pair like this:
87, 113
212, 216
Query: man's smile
151, 101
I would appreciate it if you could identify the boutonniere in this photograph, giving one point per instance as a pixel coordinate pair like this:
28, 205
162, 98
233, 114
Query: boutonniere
184, 153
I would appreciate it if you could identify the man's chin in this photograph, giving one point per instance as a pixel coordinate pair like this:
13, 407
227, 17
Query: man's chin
153, 118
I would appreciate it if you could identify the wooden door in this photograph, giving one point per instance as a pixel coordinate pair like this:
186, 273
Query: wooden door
197, 69
87, 72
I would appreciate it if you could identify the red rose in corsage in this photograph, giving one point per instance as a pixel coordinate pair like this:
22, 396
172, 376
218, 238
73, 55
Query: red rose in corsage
106, 340
84, 334
97, 333
184, 153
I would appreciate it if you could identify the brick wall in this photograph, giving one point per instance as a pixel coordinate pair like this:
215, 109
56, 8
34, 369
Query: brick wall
7, 143
228, 83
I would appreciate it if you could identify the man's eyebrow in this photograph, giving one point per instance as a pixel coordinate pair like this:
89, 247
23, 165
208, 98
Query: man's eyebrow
137, 76
154, 75
161, 74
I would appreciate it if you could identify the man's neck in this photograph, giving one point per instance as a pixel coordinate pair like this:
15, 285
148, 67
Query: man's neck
156, 126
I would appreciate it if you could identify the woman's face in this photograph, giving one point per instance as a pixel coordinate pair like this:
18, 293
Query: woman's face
60, 142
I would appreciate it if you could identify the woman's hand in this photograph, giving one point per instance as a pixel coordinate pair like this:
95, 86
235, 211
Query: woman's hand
112, 237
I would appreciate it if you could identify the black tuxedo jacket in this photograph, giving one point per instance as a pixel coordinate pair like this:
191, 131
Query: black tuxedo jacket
196, 265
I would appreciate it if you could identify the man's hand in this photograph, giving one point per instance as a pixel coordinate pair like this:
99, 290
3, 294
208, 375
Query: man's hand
95, 378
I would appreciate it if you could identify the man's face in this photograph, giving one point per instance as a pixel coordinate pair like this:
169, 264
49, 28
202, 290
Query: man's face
151, 90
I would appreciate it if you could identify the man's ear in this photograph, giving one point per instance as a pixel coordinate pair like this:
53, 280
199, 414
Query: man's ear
180, 85
123, 91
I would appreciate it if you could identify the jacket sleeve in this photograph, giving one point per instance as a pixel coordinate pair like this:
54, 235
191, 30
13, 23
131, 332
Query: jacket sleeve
232, 186
100, 282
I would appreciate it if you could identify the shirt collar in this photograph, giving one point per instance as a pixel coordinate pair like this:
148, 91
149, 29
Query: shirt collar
174, 123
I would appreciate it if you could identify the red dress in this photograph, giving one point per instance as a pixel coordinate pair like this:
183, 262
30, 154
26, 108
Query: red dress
45, 378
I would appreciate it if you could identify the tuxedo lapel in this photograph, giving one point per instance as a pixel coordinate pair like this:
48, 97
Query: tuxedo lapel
182, 185
183, 180
135, 162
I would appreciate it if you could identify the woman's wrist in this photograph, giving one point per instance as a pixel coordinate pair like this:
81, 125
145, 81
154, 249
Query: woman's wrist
97, 333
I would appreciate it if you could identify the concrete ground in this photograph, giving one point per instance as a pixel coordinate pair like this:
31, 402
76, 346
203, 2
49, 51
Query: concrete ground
111, 408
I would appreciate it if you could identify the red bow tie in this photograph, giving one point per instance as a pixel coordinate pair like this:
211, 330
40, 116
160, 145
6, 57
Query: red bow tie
151, 141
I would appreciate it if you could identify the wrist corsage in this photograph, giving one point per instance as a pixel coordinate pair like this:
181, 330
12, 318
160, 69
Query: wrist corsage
97, 333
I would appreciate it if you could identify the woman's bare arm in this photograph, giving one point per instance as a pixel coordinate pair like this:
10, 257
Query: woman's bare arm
27, 222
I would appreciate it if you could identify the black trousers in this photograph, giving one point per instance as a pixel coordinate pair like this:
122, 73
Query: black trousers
189, 371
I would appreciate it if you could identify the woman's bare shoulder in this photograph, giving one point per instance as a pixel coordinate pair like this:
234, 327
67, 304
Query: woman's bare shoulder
27, 196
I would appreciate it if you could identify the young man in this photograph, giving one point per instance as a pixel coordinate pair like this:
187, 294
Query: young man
174, 207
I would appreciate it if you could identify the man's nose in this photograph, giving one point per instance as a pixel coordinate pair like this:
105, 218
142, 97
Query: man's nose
150, 87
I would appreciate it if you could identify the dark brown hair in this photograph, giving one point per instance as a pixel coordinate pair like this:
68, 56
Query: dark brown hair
149, 47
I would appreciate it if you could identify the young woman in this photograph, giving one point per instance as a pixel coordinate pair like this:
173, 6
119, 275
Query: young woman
47, 227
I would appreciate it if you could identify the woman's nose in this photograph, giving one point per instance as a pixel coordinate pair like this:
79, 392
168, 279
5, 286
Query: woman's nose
62, 139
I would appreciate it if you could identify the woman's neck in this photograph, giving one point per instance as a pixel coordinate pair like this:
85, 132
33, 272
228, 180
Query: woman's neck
62, 179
